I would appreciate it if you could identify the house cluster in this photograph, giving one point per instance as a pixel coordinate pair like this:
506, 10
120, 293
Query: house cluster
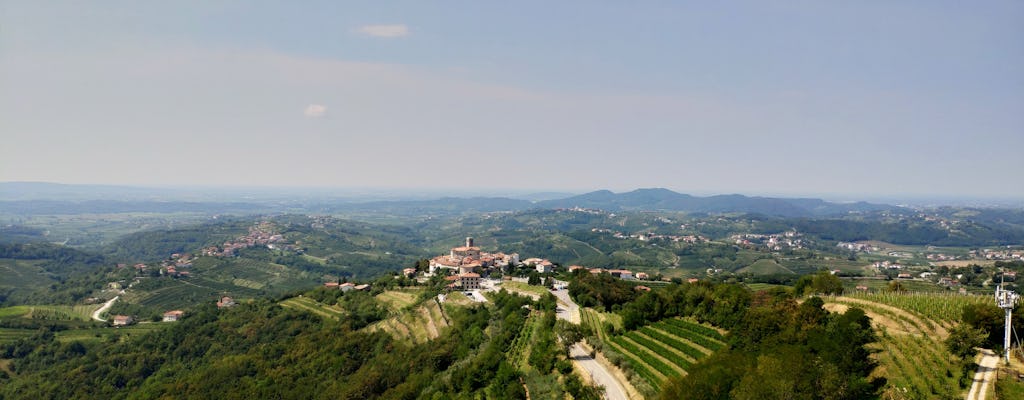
261, 234
853, 246
542, 265
464, 281
623, 274
469, 258
1001, 254
583, 210
177, 265
467, 262
347, 286
773, 242
882, 266
942, 257
649, 236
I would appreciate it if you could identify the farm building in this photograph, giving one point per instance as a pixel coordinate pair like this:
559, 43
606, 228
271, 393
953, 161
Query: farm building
174, 315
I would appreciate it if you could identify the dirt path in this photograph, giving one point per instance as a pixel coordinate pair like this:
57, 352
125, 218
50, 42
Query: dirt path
986, 374
101, 310
891, 326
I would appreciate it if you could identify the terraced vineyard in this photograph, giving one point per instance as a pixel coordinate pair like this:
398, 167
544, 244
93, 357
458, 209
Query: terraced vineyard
398, 299
911, 328
417, 325
665, 349
310, 305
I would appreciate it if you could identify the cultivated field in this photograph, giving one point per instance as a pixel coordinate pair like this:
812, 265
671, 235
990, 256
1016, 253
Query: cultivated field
417, 325
397, 300
50, 312
662, 350
309, 305
911, 329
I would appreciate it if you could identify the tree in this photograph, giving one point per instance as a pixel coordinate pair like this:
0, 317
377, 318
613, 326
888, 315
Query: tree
963, 339
896, 287
534, 278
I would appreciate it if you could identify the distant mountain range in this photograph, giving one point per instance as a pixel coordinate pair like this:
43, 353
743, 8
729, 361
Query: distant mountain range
666, 200
44, 198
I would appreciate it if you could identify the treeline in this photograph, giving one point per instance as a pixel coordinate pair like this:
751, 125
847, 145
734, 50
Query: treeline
911, 232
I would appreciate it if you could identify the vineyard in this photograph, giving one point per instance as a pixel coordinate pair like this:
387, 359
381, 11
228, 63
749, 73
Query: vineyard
662, 350
945, 307
397, 300
180, 293
50, 312
911, 328
518, 351
417, 325
309, 305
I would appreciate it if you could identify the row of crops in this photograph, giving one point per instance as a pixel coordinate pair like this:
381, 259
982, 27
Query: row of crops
915, 362
665, 349
312, 306
943, 306
517, 351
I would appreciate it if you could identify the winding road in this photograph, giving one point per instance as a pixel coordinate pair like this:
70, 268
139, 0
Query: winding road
613, 390
985, 375
106, 306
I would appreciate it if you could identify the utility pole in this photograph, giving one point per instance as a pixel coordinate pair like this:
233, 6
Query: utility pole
1006, 299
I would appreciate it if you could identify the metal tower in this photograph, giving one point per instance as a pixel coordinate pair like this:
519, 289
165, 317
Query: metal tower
1006, 299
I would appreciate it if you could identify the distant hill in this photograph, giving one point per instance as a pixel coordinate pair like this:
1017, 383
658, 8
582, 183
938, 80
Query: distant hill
659, 199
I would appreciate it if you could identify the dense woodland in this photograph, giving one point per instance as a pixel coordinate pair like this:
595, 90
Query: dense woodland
261, 350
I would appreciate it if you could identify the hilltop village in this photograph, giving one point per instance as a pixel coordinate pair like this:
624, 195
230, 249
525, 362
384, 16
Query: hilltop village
465, 265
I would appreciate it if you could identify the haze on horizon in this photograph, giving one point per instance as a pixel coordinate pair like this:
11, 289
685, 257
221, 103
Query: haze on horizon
866, 99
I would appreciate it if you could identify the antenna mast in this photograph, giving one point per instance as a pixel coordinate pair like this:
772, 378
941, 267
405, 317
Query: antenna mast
1006, 299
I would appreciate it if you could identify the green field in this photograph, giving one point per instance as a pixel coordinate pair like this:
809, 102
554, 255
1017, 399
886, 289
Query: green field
524, 288
765, 266
312, 306
50, 312
666, 349
910, 351
397, 300
417, 325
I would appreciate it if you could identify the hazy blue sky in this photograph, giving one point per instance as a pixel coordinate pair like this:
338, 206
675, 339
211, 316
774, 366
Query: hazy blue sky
800, 97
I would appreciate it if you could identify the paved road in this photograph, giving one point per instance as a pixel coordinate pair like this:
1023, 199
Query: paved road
569, 313
986, 374
106, 306
598, 373
613, 390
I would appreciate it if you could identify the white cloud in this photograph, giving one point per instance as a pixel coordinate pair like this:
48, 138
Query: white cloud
315, 110
384, 31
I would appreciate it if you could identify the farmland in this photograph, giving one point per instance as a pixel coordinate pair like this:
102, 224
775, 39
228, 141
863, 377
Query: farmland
50, 312
417, 325
398, 299
309, 305
911, 328
661, 350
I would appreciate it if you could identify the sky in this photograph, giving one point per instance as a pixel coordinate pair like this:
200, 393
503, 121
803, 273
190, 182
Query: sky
857, 99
